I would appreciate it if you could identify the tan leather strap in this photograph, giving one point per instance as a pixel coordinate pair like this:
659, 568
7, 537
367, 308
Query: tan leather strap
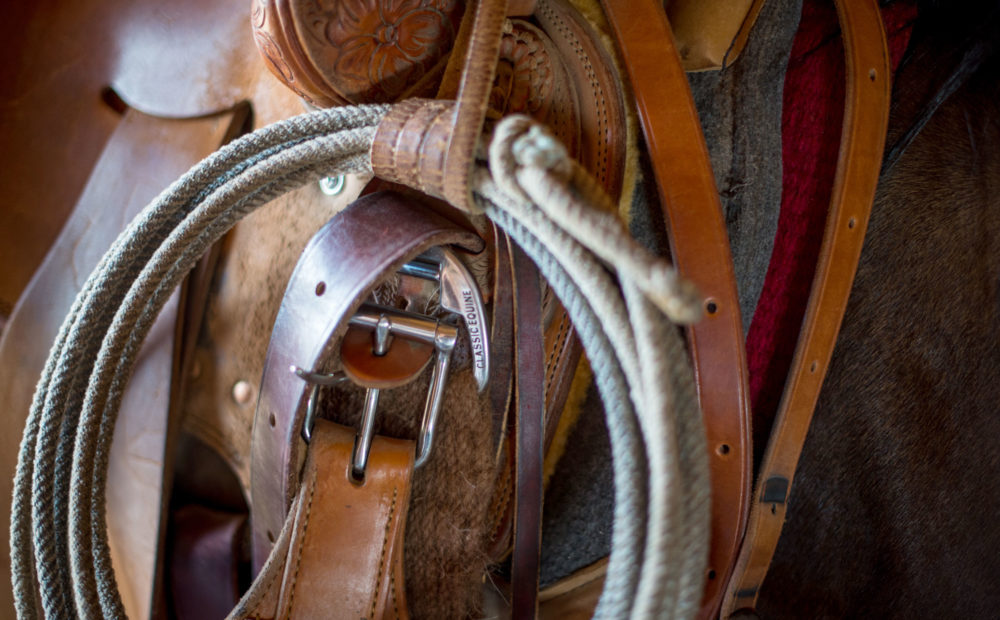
337, 270
866, 116
701, 252
344, 551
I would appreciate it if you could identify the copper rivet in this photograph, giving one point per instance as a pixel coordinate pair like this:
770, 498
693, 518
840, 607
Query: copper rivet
242, 392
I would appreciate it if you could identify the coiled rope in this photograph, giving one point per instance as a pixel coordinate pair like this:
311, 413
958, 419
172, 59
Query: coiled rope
621, 299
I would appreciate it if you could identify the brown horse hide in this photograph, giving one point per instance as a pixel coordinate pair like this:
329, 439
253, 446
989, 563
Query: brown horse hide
893, 513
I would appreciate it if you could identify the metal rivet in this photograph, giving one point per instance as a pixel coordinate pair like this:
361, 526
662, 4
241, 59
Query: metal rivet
331, 186
242, 392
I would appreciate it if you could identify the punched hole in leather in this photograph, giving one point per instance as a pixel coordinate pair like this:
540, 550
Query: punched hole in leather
379, 348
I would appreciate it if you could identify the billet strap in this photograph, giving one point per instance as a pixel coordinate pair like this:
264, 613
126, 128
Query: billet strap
701, 253
369, 240
866, 116
341, 550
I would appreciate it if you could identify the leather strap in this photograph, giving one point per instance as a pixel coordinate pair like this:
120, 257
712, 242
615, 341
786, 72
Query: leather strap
473, 100
530, 432
866, 118
700, 248
337, 270
359, 525
862, 142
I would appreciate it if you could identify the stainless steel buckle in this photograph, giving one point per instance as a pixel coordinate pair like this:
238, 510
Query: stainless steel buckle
459, 295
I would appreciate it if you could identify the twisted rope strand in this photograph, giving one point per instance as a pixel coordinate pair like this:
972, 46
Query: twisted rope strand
540, 197
627, 451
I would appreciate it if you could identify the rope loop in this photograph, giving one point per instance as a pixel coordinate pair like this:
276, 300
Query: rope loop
621, 298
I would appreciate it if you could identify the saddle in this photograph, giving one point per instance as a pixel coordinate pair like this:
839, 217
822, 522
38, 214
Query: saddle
423, 290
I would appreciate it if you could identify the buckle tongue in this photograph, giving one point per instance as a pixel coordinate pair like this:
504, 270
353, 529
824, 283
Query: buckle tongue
458, 294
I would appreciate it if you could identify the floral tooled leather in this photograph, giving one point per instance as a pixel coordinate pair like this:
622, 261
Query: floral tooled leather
385, 46
335, 52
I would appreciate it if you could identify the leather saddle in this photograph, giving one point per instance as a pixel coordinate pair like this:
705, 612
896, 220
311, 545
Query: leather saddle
305, 409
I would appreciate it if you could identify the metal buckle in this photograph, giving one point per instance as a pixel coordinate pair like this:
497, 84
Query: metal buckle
459, 295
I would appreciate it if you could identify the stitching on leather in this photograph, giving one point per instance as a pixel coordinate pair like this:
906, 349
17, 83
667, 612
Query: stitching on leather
556, 354
385, 545
395, 601
267, 588
599, 103
501, 498
298, 551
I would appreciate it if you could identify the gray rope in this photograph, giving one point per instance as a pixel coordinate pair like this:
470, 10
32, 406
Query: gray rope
58, 534
627, 451
80, 340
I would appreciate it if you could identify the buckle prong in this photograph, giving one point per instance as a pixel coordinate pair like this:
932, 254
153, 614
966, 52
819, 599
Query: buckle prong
363, 440
459, 295
316, 379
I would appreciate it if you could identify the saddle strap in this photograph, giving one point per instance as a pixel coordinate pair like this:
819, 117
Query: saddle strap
334, 275
866, 117
334, 517
529, 436
700, 248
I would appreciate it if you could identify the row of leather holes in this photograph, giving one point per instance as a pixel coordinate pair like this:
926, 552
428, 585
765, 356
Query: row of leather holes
320, 289
711, 307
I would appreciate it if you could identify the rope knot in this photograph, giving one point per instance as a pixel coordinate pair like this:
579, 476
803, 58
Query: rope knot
522, 144
539, 148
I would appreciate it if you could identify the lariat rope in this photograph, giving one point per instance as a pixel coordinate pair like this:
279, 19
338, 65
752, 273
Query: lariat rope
621, 299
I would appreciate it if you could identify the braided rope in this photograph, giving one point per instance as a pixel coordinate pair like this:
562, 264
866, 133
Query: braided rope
59, 543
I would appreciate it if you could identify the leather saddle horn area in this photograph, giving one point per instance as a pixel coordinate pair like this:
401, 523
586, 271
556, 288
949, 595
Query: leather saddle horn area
552, 66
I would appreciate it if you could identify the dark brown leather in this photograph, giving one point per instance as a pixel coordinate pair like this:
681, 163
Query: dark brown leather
530, 436
345, 258
701, 253
866, 115
205, 548
501, 335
